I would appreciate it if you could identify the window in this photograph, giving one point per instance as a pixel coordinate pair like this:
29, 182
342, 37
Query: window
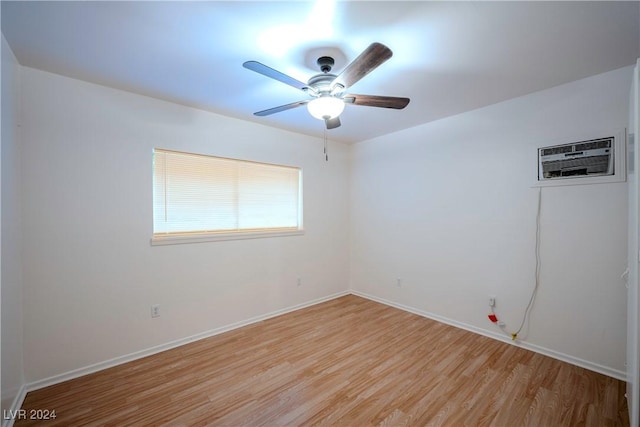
202, 198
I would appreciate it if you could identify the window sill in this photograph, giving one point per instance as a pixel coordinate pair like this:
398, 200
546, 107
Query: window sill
180, 239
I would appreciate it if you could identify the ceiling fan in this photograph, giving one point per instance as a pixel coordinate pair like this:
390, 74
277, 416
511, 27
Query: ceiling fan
327, 90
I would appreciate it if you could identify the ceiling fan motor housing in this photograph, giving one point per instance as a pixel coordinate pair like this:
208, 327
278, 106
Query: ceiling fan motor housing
321, 83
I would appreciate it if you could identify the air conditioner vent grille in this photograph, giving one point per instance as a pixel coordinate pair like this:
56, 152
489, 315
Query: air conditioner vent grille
575, 167
557, 150
592, 145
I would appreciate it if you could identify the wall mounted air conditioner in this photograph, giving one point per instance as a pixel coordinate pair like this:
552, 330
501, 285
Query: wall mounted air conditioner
586, 161
578, 159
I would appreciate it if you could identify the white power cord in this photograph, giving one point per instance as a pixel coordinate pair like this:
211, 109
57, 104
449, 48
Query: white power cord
527, 311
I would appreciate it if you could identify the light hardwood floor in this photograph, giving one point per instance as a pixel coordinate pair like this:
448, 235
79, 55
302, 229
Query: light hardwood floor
346, 362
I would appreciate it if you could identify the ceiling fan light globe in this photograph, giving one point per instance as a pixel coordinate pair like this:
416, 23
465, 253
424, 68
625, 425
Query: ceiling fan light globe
325, 107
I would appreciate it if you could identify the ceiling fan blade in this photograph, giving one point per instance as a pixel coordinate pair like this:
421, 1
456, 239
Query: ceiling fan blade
274, 74
372, 57
332, 123
377, 101
280, 108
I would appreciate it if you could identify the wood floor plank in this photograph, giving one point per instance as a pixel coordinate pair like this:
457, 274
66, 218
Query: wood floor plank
347, 362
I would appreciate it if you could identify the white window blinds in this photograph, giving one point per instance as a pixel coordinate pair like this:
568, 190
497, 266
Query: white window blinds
200, 194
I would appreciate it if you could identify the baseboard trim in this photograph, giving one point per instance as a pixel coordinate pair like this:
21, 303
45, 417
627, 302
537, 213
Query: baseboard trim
15, 406
605, 370
56, 379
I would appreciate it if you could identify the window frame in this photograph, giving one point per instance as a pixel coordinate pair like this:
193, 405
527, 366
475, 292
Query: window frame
173, 238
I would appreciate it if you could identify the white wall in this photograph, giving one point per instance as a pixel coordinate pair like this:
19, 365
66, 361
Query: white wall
449, 208
11, 280
462, 224
90, 274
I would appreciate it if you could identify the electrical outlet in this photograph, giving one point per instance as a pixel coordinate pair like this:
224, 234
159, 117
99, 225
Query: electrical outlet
492, 301
399, 283
155, 310
299, 282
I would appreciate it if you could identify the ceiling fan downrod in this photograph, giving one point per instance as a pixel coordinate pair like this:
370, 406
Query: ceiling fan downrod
325, 63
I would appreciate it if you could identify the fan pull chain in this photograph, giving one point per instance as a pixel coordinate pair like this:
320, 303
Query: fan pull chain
326, 151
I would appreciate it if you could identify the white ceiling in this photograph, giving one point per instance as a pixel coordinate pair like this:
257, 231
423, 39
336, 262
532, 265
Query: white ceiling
449, 57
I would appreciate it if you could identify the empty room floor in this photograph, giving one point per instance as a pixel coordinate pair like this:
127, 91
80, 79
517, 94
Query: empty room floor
349, 362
